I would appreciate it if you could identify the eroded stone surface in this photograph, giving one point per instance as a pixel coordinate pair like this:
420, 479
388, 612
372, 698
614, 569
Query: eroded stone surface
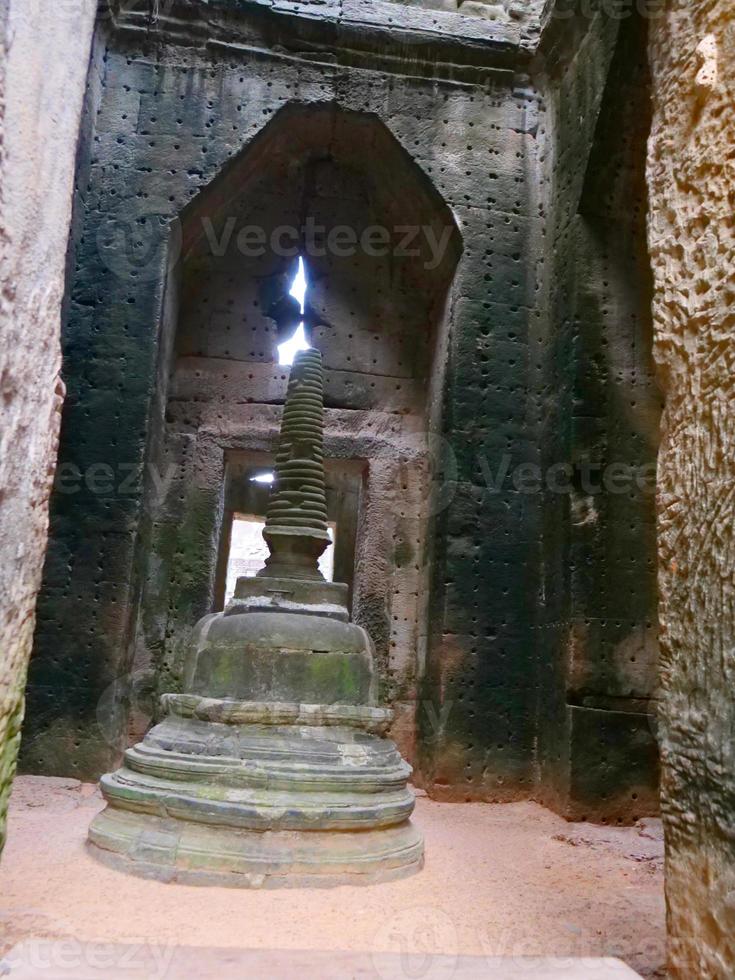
228, 797
502, 616
693, 252
282, 656
44, 50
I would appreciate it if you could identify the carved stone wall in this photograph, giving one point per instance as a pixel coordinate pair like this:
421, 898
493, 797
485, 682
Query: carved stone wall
44, 52
463, 563
600, 585
172, 123
376, 320
692, 243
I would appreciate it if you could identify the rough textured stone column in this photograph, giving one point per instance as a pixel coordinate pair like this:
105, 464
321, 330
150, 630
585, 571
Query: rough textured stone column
43, 66
691, 182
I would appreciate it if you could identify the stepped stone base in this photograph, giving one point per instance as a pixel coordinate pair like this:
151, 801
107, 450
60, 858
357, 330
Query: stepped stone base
258, 794
201, 854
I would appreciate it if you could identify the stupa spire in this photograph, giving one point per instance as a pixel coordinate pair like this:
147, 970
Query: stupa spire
272, 766
296, 522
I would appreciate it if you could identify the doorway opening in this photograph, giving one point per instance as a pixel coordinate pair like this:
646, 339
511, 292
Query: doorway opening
248, 551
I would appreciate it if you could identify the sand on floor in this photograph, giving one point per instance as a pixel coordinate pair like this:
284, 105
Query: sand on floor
500, 880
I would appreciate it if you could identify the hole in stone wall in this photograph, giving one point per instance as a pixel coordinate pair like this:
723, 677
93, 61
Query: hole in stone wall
289, 348
248, 550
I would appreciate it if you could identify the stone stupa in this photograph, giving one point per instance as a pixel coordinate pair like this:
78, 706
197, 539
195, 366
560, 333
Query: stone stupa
273, 767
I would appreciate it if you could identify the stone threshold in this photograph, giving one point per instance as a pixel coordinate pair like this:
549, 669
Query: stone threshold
69, 959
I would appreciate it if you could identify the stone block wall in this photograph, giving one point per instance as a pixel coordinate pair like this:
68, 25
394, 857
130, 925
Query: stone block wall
692, 245
605, 615
444, 382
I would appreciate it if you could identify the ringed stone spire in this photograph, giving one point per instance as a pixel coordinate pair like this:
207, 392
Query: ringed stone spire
296, 523
273, 766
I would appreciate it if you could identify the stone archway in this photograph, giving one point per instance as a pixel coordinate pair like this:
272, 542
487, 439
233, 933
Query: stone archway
380, 247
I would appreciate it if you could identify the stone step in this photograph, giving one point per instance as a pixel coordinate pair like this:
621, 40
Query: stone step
68, 959
275, 774
210, 854
255, 809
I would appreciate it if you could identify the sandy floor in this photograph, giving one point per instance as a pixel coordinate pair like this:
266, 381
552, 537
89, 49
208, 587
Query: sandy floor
510, 880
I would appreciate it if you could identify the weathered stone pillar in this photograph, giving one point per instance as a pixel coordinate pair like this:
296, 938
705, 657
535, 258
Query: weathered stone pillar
44, 53
692, 183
